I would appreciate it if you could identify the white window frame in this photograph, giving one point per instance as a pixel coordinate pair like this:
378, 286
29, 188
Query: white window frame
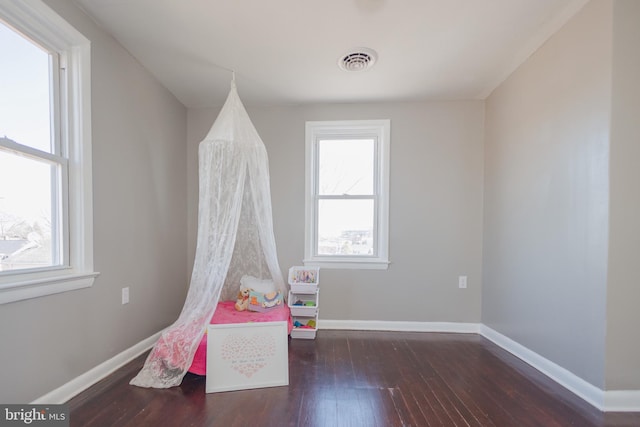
42, 24
380, 131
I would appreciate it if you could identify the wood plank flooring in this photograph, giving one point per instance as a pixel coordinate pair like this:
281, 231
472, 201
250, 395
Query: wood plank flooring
356, 378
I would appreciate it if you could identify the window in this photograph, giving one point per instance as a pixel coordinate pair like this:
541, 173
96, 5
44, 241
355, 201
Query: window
347, 194
45, 154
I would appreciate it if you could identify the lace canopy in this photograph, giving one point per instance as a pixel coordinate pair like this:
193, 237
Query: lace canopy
235, 237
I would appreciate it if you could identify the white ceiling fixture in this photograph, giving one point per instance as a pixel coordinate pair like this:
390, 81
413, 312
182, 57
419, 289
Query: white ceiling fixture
284, 51
358, 59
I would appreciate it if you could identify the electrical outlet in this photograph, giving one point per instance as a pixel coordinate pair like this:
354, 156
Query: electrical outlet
125, 295
462, 282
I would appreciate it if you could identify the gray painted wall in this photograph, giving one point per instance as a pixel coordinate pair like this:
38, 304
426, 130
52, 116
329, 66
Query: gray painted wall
546, 197
435, 207
546, 213
140, 228
623, 293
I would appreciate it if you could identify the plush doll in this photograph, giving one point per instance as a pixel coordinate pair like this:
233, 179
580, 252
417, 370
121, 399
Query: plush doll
242, 303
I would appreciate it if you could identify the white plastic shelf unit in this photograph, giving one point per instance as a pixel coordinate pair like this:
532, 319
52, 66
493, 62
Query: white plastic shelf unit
303, 301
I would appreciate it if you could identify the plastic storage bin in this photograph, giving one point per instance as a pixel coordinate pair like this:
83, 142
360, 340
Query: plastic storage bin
303, 282
304, 332
304, 279
309, 305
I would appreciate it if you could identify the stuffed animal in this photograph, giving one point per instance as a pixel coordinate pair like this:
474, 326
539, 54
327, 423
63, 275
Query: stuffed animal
242, 303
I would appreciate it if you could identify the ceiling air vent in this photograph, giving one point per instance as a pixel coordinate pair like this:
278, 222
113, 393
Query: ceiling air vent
358, 59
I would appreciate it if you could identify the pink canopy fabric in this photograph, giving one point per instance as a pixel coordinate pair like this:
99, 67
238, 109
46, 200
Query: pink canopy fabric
235, 238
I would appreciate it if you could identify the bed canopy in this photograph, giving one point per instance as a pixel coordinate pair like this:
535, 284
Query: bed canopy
235, 238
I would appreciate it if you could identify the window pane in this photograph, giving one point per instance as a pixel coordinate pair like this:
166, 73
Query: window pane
345, 227
24, 85
26, 235
345, 167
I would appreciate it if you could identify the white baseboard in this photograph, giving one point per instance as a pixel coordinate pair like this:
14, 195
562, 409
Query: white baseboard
382, 325
607, 401
622, 401
604, 400
565, 378
77, 385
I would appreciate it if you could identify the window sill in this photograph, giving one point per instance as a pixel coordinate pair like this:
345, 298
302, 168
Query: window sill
348, 264
34, 288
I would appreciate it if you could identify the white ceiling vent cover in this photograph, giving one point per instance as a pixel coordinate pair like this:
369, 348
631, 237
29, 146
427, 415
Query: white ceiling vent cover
358, 59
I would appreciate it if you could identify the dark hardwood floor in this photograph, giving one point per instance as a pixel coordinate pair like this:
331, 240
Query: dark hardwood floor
355, 378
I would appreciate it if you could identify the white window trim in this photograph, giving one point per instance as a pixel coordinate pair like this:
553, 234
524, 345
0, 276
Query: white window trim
41, 22
314, 131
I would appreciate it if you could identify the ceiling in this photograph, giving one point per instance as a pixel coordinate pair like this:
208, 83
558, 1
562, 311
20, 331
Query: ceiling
285, 52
